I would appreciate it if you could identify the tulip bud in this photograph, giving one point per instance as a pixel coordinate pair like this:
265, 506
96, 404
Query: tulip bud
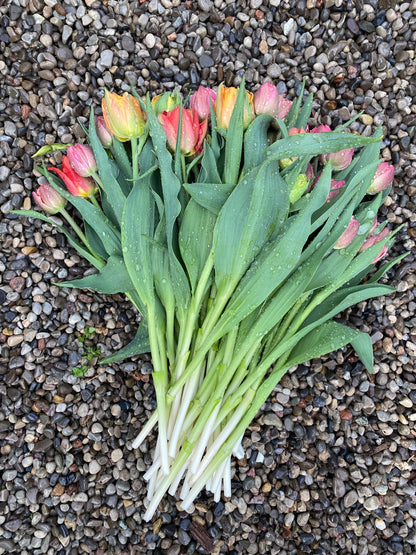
224, 106
339, 160
296, 131
382, 178
321, 129
334, 189
268, 101
165, 102
123, 115
192, 131
373, 239
82, 160
200, 101
76, 184
103, 133
349, 234
381, 254
300, 187
49, 199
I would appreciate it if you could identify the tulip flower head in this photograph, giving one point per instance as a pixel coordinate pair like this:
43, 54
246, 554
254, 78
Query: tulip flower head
165, 102
373, 239
192, 131
76, 184
103, 133
382, 178
224, 106
200, 101
268, 101
82, 159
349, 234
339, 160
49, 199
123, 115
321, 129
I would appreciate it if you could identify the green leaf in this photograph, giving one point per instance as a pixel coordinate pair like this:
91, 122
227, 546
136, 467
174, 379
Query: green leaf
362, 345
73, 242
111, 186
234, 138
139, 345
275, 262
134, 236
94, 241
195, 239
257, 205
329, 337
111, 279
122, 159
312, 144
209, 171
294, 110
305, 113
256, 141
211, 196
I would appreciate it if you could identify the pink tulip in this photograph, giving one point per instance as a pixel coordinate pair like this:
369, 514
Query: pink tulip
373, 239
192, 131
382, 179
321, 129
200, 101
49, 199
76, 184
349, 234
268, 101
381, 254
82, 160
296, 131
339, 160
103, 133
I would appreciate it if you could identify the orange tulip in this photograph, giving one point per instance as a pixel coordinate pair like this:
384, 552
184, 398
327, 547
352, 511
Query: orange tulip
224, 106
123, 115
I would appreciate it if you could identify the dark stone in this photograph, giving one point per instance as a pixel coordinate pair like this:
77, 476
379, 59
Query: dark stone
206, 61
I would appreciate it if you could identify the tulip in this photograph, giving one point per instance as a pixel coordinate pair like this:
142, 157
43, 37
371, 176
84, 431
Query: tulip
321, 129
76, 184
192, 131
349, 234
335, 187
339, 160
373, 239
165, 102
103, 133
82, 160
381, 254
49, 199
382, 178
296, 131
200, 101
224, 106
300, 187
268, 101
123, 115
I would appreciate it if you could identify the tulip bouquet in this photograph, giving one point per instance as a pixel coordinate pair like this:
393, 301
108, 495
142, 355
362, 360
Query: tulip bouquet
239, 234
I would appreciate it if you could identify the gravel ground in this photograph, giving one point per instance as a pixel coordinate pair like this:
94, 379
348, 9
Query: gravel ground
329, 464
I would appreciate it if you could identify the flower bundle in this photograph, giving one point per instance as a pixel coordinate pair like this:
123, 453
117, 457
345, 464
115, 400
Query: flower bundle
238, 234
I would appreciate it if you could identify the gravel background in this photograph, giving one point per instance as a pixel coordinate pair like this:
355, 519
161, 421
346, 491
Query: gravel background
329, 464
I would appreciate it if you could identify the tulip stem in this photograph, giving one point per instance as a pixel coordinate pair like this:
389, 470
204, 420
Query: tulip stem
80, 233
94, 201
134, 159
